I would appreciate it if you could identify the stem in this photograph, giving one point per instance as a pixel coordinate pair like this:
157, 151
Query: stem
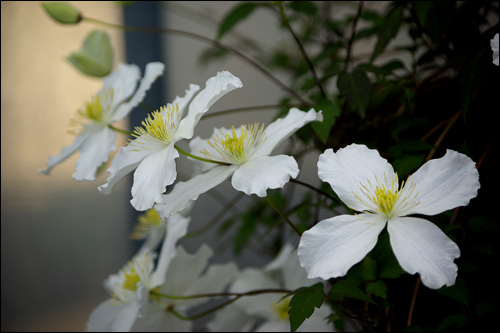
204, 39
301, 47
314, 189
120, 130
353, 33
198, 158
413, 300
283, 215
452, 120
251, 108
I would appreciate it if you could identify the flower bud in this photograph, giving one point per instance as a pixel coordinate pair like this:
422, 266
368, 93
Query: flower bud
95, 58
63, 12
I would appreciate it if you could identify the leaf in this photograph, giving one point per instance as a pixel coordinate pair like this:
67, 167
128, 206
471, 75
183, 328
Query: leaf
303, 303
369, 269
408, 145
405, 164
356, 87
62, 12
95, 58
377, 288
238, 13
458, 320
331, 110
306, 7
388, 30
347, 289
391, 270
458, 292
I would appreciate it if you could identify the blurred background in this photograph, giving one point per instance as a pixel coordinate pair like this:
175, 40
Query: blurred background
61, 238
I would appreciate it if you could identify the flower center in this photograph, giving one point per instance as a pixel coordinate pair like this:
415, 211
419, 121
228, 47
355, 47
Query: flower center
124, 284
234, 148
389, 201
148, 222
281, 309
160, 126
97, 111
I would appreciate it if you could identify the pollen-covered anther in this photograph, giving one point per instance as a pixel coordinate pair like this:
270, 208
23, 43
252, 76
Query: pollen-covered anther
236, 148
160, 126
95, 111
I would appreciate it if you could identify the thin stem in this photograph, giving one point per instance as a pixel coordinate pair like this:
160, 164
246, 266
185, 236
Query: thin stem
198, 158
250, 108
452, 121
413, 300
353, 33
314, 189
120, 130
301, 47
276, 208
207, 40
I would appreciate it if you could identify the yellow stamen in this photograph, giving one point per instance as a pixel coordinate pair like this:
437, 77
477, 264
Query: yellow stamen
234, 148
160, 127
95, 111
147, 223
281, 309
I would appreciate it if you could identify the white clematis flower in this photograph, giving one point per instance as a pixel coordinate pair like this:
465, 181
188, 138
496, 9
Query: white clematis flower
366, 182
134, 308
246, 151
282, 272
494, 48
152, 153
110, 104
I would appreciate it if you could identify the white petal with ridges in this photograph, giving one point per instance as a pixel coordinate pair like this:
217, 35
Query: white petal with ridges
152, 72
184, 192
93, 153
154, 173
215, 88
350, 167
264, 172
66, 152
333, 246
421, 247
445, 183
281, 129
123, 82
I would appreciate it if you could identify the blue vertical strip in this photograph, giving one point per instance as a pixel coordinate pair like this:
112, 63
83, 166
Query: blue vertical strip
142, 48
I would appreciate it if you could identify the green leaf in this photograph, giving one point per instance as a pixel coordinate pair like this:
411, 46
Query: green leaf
356, 87
377, 288
95, 58
408, 145
306, 7
457, 292
62, 12
303, 303
405, 164
458, 320
347, 289
331, 110
388, 30
238, 13
391, 270
369, 269
482, 224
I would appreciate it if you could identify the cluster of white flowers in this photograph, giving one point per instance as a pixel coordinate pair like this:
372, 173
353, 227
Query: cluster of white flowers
149, 296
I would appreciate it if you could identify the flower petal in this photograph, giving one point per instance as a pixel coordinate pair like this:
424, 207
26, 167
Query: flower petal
257, 175
152, 72
157, 319
215, 88
444, 183
154, 173
421, 247
65, 152
350, 167
184, 192
182, 102
127, 159
279, 130
177, 226
333, 246
123, 82
112, 316
94, 151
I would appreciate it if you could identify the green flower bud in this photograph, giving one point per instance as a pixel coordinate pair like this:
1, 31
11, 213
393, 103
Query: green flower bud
62, 12
95, 58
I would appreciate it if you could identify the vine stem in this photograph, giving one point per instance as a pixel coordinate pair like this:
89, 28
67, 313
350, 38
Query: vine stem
199, 158
120, 130
353, 33
276, 208
302, 50
207, 40
413, 300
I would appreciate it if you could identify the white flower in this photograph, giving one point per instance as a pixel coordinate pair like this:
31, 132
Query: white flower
494, 48
152, 153
133, 306
112, 103
366, 182
283, 272
246, 151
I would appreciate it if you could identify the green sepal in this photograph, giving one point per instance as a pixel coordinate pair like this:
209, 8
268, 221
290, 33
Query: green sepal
95, 58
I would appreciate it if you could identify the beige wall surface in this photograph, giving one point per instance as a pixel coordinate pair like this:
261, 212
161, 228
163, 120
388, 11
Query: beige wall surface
60, 238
